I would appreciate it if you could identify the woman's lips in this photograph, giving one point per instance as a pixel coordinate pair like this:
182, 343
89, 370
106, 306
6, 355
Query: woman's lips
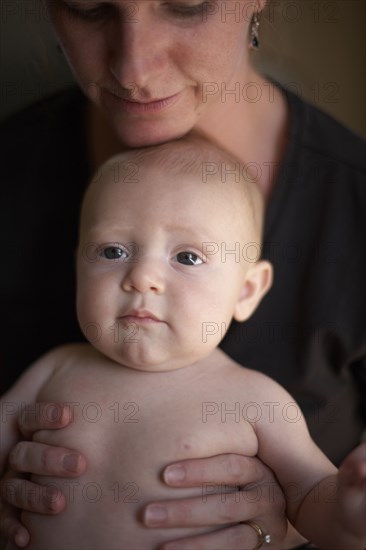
135, 107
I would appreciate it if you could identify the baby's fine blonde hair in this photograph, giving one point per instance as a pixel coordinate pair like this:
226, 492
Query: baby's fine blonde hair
190, 155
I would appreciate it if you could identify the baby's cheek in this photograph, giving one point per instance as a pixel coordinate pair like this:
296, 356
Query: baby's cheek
88, 315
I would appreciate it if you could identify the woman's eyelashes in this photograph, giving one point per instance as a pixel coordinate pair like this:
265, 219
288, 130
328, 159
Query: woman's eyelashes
100, 11
188, 10
88, 12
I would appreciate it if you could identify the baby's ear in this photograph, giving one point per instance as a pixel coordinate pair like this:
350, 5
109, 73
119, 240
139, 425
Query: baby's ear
257, 282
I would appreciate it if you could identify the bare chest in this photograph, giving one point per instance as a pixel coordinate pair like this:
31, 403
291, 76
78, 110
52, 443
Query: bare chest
143, 424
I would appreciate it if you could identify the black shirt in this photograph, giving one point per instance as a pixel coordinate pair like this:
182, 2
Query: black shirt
309, 333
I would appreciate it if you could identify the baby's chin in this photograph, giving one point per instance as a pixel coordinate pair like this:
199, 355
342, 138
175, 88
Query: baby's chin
152, 366
145, 361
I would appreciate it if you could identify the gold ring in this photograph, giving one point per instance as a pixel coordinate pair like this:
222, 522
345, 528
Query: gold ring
262, 538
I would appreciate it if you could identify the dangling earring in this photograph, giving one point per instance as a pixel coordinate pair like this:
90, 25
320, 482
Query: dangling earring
254, 41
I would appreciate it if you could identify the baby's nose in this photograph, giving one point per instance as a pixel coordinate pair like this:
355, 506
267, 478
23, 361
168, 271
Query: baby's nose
144, 276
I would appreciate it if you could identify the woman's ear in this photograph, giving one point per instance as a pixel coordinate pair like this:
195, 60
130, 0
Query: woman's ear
257, 282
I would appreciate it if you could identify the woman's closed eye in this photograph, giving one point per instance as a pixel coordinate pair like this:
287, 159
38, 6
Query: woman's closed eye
92, 11
187, 10
98, 11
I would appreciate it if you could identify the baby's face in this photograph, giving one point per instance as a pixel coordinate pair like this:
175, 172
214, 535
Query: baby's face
161, 264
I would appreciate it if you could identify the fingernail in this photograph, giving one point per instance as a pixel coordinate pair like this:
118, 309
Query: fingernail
71, 462
51, 498
174, 474
20, 539
155, 515
53, 413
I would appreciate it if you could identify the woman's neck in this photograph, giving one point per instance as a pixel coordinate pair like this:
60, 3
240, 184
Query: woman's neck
254, 131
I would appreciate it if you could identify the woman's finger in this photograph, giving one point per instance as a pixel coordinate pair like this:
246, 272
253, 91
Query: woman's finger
232, 538
26, 495
230, 469
11, 528
258, 498
37, 458
353, 468
39, 416
222, 508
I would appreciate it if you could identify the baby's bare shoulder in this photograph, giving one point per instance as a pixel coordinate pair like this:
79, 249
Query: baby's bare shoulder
249, 382
60, 353
78, 372
73, 352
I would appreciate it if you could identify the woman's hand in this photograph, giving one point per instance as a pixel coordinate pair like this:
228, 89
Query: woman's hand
259, 500
29, 457
352, 492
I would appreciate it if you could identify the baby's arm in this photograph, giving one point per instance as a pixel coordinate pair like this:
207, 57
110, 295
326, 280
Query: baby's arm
340, 511
325, 506
24, 392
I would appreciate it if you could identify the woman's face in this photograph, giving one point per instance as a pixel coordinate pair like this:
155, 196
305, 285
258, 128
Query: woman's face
155, 67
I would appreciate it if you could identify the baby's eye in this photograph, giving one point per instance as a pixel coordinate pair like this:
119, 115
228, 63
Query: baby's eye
114, 253
189, 258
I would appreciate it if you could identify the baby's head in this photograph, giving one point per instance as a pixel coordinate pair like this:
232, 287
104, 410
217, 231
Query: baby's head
169, 250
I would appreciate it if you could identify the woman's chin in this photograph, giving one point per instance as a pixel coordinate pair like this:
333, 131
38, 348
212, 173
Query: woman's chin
147, 136
140, 126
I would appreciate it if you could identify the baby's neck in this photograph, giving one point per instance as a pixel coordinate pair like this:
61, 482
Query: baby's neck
214, 362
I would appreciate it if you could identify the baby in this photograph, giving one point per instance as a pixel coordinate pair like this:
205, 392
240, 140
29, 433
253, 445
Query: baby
168, 254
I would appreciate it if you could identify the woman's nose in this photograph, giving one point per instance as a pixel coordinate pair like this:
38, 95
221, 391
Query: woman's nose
144, 276
138, 53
